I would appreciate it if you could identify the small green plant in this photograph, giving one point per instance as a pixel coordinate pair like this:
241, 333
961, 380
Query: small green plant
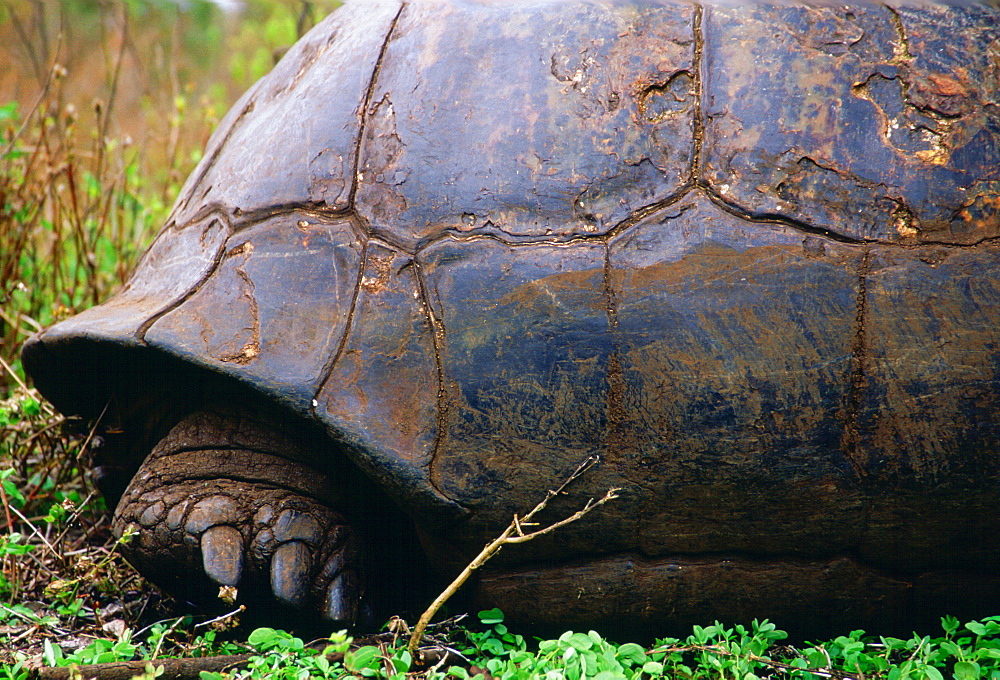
285, 657
99, 651
495, 640
745, 653
714, 652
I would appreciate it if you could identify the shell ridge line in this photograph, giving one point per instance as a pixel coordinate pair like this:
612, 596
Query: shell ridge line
628, 222
617, 395
511, 242
257, 216
737, 210
608, 289
641, 213
250, 218
903, 53
217, 258
700, 187
307, 64
251, 350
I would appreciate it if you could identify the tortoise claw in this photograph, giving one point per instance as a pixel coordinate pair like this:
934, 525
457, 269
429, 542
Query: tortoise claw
291, 566
342, 598
222, 555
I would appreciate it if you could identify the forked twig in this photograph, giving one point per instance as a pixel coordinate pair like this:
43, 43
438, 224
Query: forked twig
515, 533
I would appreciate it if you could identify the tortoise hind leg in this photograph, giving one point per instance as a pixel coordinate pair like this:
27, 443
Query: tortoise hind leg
230, 499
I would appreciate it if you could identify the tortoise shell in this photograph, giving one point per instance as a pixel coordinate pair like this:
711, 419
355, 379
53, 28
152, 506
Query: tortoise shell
745, 254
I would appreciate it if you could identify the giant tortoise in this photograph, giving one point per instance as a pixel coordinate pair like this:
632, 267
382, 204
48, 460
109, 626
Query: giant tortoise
746, 254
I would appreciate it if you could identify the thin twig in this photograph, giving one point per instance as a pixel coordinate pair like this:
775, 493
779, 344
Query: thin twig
179, 669
238, 610
591, 504
35, 531
16, 325
159, 643
514, 533
6, 508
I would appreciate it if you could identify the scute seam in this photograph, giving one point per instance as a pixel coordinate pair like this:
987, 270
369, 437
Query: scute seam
342, 343
363, 116
438, 338
210, 162
857, 378
140, 333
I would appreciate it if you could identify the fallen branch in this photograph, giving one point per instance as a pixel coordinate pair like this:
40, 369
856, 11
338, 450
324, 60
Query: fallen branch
188, 668
175, 669
512, 534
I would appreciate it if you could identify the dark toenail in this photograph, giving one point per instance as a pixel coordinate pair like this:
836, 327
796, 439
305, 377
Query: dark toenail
342, 597
290, 569
334, 565
222, 555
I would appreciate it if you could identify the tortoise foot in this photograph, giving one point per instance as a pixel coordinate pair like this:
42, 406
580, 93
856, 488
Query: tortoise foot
222, 501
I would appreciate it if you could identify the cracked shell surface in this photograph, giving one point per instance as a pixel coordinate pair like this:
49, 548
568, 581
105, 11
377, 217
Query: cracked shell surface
746, 254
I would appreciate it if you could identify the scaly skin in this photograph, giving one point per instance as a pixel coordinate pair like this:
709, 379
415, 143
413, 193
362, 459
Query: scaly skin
224, 500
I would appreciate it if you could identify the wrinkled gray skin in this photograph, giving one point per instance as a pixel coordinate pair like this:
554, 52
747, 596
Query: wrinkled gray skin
225, 492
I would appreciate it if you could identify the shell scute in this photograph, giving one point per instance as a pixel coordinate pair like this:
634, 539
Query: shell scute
931, 355
275, 307
524, 353
292, 138
841, 118
381, 394
525, 134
